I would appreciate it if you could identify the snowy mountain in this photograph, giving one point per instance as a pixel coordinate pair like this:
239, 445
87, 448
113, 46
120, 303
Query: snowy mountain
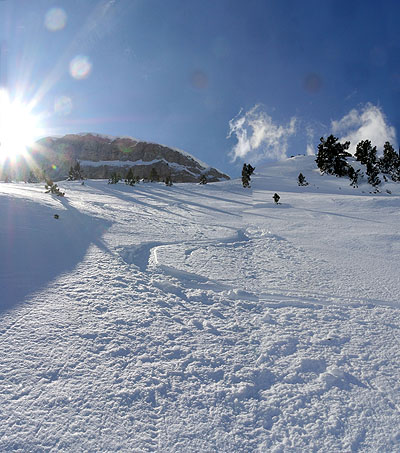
201, 318
101, 155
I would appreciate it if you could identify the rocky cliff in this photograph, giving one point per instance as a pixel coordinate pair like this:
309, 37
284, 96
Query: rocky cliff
101, 155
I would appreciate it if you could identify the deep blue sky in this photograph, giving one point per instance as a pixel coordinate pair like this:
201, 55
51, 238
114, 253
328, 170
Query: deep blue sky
177, 71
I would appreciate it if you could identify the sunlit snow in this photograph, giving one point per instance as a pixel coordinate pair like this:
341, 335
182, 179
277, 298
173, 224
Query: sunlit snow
201, 318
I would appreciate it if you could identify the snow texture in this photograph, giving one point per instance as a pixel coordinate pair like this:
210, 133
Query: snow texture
201, 318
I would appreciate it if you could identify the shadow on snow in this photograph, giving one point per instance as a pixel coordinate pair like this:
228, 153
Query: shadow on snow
36, 247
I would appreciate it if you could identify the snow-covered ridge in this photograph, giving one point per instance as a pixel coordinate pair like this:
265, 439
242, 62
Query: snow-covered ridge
283, 176
99, 152
109, 137
131, 163
118, 163
112, 138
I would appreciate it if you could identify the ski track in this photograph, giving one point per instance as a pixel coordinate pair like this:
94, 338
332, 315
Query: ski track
201, 322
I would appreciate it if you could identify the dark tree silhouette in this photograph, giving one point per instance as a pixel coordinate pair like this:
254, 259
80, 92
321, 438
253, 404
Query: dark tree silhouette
389, 163
75, 173
365, 153
331, 157
301, 180
247, 171
52, 188
114, 178
129, 178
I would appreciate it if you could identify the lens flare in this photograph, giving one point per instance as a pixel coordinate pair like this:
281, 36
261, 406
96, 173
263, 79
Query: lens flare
63, 105
80, 67
18, 127
55, 19
199, 80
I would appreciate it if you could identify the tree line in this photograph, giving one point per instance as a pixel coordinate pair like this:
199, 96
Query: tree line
332, 159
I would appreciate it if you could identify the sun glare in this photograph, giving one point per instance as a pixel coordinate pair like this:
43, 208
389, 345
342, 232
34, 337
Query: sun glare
18, 127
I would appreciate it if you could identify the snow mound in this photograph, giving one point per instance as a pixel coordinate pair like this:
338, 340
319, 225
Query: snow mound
283, 176
36, 246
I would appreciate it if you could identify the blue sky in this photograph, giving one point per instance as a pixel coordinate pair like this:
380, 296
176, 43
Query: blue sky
272, 75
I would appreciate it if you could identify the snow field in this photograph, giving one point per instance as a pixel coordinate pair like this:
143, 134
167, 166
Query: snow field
201, 318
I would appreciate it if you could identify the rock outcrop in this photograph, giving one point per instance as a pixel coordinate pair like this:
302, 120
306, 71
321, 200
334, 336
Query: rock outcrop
101, 155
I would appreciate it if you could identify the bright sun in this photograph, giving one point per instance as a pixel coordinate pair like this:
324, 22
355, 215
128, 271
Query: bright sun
18, 127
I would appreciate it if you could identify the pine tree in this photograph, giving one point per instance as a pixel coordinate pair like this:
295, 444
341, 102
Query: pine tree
396, 171
154, 175
70, 174
32, 177
78, 171
52, 188
301, 180
75, 173
247, 171
114, 178
276, 198
130, 178
331, 157
353, 175
245, 178
389, 163
365, 153
203, 179
250, 169
373, 172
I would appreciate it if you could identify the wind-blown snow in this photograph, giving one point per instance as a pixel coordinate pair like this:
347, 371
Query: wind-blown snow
201, 318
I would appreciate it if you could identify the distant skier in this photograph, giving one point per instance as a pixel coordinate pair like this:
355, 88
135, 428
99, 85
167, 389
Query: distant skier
276, 198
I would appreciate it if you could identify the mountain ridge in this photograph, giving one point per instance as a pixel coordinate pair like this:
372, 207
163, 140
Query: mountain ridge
101, 155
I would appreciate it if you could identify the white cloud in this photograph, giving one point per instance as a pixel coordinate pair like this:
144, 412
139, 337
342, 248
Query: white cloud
310, 151
310, 138
258, 136
368, 123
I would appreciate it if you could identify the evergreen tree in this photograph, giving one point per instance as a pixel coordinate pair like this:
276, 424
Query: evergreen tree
203, 179
130, 178
52, 188
396, 171
276, 198
70, 174
247, 171
331, 156
353, 175
245, 180
154, 175
389, 163
365, 153
373, 172
75, 173
114, 178
250, 169
301, 180
32, 177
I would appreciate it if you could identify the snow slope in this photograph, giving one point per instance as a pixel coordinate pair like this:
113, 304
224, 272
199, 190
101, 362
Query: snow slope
201, 318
